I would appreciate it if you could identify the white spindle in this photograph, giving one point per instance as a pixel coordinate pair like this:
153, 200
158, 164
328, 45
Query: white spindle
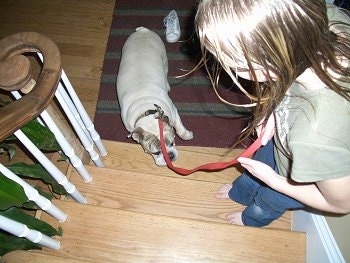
33, 195
62, 141
83, 114
88, 145
73, 110
66, 147
21, 230
50, 167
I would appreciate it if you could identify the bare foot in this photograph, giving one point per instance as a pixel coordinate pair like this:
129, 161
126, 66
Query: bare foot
222, 193
235, 218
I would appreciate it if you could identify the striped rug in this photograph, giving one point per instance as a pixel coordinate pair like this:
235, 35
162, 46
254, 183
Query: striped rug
213, 123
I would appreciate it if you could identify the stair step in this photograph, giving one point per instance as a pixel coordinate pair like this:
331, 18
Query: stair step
131, 157
101, 234
161, 195
37, 256
139, 212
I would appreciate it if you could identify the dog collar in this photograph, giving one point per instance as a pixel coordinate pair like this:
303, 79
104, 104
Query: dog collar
157, 112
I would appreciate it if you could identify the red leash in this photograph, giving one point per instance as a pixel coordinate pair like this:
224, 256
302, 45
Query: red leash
209, 166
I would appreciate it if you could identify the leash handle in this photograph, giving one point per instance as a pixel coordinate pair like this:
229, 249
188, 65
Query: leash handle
209, 166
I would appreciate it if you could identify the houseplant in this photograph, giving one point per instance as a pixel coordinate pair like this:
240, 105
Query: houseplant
13, 202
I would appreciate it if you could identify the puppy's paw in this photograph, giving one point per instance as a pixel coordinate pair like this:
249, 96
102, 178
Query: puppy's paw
187, 135
159, 160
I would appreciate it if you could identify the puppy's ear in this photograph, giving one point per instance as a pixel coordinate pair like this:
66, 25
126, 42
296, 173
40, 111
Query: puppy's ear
165, 119
137, 134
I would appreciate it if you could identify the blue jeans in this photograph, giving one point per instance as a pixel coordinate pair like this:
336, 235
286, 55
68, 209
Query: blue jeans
263, 204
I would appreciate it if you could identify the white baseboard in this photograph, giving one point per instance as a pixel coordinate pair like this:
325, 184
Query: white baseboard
321, 246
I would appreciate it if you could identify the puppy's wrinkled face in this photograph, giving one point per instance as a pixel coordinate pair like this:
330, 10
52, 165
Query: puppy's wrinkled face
148, 138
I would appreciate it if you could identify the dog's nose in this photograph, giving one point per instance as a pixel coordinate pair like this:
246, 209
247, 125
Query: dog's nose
172, 156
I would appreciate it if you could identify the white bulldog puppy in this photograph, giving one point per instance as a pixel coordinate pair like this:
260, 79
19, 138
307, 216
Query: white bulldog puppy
142, 88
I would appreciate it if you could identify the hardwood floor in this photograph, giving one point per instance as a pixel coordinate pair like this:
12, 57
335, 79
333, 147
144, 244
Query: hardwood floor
79, 28
136, 212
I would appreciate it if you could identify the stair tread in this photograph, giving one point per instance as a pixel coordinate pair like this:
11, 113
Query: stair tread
37, 256
131, 157
100, 234
162, 195
134, 209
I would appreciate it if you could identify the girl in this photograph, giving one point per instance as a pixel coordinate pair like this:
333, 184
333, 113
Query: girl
298, 57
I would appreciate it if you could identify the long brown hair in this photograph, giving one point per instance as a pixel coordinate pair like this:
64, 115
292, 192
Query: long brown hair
283, 38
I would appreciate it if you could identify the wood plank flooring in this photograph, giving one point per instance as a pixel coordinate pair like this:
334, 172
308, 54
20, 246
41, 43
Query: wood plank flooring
138, 237
151, 214
98, 234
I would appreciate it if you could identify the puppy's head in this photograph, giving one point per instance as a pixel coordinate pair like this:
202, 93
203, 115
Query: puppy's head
147, 135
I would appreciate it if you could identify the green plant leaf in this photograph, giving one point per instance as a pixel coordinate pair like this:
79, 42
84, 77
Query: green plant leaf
48, 195
10, 243
30, 205
58, 189
60, 231
3, 102
32, 222
41, 136
11, 138
10, 149
11, 193
36, 171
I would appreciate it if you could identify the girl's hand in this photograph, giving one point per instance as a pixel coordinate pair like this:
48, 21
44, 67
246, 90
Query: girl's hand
329, 195
259, 169
268, 131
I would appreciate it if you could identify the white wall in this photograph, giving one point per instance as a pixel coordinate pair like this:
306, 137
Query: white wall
340, 227
321, 246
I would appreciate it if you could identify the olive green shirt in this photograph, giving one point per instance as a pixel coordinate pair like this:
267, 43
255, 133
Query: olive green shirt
312, 139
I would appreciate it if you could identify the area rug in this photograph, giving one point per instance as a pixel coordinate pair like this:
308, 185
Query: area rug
214, 124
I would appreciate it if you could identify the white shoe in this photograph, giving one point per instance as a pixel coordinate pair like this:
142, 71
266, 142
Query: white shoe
172, 32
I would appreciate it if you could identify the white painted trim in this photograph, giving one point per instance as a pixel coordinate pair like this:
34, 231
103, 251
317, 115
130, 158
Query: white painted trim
321, 246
